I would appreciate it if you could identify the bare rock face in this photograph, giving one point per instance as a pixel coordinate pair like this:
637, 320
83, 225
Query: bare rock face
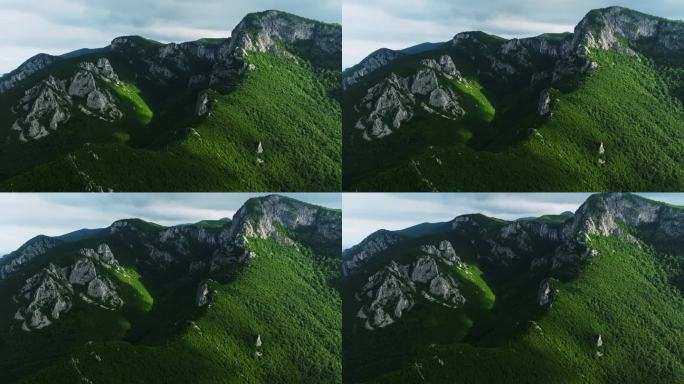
42, 109
375, 60
544, 106
203, 296
394, 101
544, 294
603, 29
45, 297
51, 292
369, 247
82, 84
261, 218
103, 255
28, 68
51, 103
390, 292
104, 291
388, 104
393, 291
424, 270
261, 32
103, 103
203, 103
445, 65
33, 248
83, 272
444, 251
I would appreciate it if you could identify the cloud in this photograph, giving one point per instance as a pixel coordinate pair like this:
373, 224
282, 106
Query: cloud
397, 24
365, 213
27, 215
60, 26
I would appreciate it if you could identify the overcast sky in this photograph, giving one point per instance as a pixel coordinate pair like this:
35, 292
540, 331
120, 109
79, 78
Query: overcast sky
27, 215
369, 25
28, 27
365, 213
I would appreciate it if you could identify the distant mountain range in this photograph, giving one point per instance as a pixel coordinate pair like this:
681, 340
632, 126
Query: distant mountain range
255, 298
593, 297
596, 109
257, 111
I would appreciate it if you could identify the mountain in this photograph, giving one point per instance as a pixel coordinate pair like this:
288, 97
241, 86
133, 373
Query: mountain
596, 109
257, 111
256, 299
595, 298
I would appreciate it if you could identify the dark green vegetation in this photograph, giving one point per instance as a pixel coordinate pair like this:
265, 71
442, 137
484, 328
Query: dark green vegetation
288, 102
631, 102
288, 295
630, 293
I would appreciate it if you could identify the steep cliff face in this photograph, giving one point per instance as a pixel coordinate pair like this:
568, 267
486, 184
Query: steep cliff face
368, 65
369, 247
267, 31
274, 216
33, 248
28, 68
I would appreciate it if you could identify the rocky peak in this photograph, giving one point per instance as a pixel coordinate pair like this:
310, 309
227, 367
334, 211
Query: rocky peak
372, 62
372, 245
45, 296
33, 248
603, 29
392, 102
262, 31
43, 108
394, 289
51, 103
28, 68
265, 217
603, 214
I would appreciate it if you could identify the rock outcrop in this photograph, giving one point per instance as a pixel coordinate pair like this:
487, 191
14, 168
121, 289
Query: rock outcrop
28, 68
544, 294
203, 296
50, 293
544, 106
42, 109
45, 297
375, 60
51, 103
203, 103
395, 100
265, 31
372, 245
394, 290
444, 251
33, 248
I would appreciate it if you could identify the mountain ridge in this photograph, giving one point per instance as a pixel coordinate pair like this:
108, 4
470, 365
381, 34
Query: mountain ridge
480, 101
150, 290
76, 122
